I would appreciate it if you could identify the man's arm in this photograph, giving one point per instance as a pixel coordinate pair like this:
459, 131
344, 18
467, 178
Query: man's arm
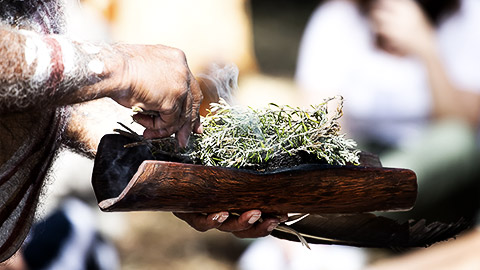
90, 121
45, 70
42, 71
52, 71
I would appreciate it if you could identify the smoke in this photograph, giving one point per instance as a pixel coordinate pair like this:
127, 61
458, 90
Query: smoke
222, 82
115, 165
219, 82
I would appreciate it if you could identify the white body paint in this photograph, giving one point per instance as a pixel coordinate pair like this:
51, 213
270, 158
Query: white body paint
68, 54
37, 49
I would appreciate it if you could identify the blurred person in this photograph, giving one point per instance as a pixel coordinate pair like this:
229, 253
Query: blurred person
409, 73
47, 83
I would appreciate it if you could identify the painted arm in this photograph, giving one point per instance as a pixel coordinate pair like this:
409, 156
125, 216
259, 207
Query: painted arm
41, 71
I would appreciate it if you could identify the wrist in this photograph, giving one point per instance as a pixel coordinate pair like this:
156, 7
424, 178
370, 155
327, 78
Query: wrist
106, 67
114, 63
88, 71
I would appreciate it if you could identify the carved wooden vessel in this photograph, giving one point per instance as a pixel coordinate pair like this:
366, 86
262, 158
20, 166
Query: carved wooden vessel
126, 179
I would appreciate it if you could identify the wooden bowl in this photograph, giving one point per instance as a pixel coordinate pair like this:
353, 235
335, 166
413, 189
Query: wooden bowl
126, 179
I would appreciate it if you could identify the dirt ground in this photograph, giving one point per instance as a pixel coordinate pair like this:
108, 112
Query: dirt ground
157, 240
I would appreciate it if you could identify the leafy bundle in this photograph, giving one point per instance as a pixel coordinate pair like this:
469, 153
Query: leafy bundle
244, 137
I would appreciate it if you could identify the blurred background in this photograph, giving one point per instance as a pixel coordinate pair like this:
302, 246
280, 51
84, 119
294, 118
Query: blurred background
398, 104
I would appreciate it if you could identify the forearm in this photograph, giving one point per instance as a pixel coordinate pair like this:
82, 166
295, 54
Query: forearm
43, 71
50, 70
448, 99
89, 121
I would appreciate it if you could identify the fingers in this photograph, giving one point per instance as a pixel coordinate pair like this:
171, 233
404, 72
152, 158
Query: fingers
391, 6
243, 222
258, 230
191, 112
159, 81
250, 224
387, 26
181, 119
202, 222
167, 123
197, 126
247, 225
380, 18
183, 134
197, 96
156, 126
162, 120
220, 221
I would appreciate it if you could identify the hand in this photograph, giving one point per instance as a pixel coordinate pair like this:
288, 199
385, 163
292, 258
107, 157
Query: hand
401, 27
157, 78
243, 226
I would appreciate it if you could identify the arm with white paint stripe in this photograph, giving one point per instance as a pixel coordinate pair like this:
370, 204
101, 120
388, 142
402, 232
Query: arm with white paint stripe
44, 70
38, 71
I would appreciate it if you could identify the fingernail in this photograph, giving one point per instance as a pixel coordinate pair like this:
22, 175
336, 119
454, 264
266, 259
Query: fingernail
222, 218
272, 226
283, 219
254, 218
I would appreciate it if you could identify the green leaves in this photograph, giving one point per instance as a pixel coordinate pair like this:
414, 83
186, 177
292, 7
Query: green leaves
245, 137
242, 137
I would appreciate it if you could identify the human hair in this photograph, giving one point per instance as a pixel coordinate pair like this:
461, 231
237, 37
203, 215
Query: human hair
41, 15
435, 10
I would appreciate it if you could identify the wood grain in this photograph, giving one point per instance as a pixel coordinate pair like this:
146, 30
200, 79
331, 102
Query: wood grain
179, 187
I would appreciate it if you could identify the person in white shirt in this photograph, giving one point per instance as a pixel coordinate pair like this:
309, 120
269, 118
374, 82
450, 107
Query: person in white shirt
405, 68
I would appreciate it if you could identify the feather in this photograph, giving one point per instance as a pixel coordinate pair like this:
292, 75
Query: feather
368, 230
287, 229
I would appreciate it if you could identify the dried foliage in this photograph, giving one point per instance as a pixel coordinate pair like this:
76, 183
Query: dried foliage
244, 137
